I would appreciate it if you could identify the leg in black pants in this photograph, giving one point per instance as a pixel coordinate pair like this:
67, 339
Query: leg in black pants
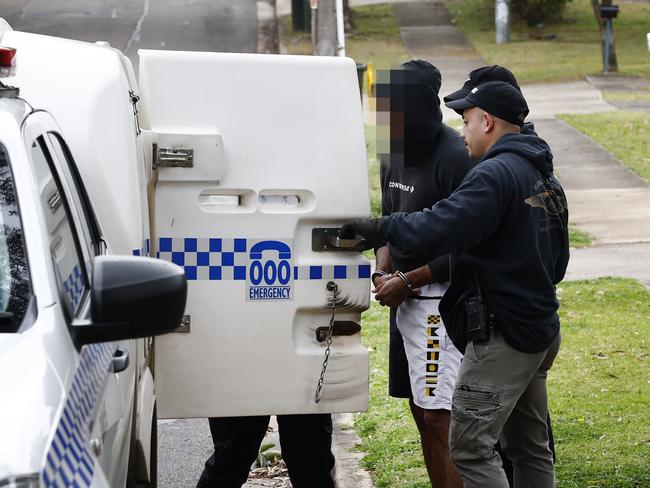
236, 445
306, 450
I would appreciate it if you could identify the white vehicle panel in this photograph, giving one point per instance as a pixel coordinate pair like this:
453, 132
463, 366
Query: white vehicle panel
292, 159
87, 92
26, 412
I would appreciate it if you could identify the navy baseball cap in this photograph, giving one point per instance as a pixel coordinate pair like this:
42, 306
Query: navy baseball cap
480, 76
498, 98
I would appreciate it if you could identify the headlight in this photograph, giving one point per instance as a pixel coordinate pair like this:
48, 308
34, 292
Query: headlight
26, 481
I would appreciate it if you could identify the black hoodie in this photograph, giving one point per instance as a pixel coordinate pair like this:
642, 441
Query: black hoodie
507, 222
434, 162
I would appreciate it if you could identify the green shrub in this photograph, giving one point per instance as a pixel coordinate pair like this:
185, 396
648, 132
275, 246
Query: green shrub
535, 12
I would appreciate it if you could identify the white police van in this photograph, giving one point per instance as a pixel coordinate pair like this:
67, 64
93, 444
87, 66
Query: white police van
228, 166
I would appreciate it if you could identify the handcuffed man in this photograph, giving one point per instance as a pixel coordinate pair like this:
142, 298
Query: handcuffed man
425, 162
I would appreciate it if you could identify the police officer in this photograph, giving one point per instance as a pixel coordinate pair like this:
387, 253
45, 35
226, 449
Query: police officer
475, 78
506, 226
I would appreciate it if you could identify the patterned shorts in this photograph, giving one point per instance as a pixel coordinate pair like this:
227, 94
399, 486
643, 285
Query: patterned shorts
433, 360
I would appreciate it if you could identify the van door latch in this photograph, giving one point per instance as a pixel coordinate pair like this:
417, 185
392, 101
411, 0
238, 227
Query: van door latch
339, 328
172, 157
327, 239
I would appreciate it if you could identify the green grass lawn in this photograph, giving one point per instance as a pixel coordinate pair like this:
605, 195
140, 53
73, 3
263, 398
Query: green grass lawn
614, 96
578, 238
624, 134
599, 392
574, 49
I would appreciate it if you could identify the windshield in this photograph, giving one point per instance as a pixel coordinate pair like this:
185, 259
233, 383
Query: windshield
15, 288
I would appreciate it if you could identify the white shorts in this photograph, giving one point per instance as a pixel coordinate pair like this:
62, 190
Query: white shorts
433, 360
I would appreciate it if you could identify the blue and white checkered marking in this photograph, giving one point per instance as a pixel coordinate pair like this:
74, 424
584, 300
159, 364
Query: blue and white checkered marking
206, 258
340, 272
74, 287
69, 462
217, 259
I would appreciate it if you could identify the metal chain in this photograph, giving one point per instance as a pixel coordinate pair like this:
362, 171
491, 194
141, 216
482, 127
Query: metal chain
333, 287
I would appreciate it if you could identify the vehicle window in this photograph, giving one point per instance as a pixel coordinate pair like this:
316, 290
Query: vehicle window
64, 246
15, 283
77, 195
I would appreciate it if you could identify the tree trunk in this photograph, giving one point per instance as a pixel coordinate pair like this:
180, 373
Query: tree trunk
595, 6
613, 61
350, 26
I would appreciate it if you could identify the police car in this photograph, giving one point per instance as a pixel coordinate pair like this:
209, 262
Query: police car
230, 171
68, 314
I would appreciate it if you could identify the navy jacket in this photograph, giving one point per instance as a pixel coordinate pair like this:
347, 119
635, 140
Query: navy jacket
507, 222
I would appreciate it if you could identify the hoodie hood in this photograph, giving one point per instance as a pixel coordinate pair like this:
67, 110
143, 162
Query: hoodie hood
414, 92
528, 129
529, 146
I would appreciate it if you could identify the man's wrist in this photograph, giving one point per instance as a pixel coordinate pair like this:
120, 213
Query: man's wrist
420, 277
404, 279
377, 274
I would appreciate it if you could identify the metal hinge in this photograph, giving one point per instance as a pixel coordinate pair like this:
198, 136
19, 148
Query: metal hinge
172, 157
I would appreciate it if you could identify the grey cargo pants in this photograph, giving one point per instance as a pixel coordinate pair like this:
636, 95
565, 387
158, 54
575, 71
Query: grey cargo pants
501, 395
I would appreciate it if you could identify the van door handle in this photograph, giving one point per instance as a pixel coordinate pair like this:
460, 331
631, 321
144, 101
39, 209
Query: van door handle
327, 239
345, 244
120, 360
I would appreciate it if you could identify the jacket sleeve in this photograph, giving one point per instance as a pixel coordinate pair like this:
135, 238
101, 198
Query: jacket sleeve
462, 221
561, 265
439, 268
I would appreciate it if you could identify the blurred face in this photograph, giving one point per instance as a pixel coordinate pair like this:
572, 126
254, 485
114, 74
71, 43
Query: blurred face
391, 118
476, 125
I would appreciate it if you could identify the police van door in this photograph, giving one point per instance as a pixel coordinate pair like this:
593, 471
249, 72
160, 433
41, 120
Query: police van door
258, 158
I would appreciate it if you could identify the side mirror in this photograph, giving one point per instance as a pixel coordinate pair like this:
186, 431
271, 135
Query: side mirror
133, 297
